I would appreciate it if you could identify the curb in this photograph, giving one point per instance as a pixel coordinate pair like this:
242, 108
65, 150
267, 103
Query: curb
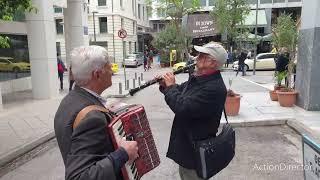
19, 151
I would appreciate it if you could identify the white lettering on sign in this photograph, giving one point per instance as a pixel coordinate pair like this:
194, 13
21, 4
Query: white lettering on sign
204, 23
312, 159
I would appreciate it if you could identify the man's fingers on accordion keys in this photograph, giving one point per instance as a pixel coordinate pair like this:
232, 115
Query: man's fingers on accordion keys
131, 148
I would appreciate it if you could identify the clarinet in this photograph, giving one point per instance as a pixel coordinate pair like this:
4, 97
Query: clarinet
153, 81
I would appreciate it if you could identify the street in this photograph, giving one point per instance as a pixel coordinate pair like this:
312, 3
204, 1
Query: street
256, 148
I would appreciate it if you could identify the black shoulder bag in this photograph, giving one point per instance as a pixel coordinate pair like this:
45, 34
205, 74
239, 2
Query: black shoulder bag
215, 153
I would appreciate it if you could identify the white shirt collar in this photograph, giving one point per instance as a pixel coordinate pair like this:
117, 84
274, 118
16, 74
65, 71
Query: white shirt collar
100, 98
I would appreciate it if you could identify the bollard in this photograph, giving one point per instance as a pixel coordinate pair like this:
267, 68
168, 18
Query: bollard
134, 83
139, 81
141, 76
120, 88
127, 85
135, 76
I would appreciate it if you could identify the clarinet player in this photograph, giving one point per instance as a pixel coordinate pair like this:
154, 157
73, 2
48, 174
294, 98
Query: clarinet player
197, 104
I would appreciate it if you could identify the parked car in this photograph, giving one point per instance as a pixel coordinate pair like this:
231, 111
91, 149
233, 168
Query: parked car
133, 60
114, 68
7, 64
265, 61
180, 65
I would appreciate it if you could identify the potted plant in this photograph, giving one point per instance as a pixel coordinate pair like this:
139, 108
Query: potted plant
232, 104
279, 78
285, 36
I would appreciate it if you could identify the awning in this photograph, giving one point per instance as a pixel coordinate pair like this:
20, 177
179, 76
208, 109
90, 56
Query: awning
250, 20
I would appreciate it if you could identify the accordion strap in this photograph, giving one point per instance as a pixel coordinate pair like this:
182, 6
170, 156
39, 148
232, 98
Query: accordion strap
85, 111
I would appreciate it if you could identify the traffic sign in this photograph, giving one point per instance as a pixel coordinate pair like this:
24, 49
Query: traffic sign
122, 33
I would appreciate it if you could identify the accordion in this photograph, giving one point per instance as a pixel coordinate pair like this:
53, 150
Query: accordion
130, 121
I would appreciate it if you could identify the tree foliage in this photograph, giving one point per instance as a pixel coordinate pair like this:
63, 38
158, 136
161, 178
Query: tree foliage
285, 35
8, 8
170, 38
230, 16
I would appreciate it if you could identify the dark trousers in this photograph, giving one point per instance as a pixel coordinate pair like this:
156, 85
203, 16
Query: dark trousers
71, 84
241, 68
60, 75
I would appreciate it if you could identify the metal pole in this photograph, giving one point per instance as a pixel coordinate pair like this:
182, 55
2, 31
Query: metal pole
124, 67
120, 88
113, 46
127, 84
141, 76
135, 75
255, 39
139, 81
94, 27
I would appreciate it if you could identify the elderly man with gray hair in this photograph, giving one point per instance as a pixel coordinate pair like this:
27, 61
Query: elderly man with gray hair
87, 150
197, 104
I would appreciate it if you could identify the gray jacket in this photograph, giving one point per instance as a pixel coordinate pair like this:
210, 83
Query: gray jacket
87, 152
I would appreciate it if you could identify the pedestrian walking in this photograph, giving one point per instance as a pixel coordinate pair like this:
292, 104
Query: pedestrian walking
61, 70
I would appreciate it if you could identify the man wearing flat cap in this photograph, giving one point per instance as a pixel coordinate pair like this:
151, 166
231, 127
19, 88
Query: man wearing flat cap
197, 104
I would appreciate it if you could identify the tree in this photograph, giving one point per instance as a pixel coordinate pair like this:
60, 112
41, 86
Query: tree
8, 8
230, 16
174, 10
285, 35
169, 39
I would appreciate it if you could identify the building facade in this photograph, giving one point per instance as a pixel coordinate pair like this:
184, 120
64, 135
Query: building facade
105, 19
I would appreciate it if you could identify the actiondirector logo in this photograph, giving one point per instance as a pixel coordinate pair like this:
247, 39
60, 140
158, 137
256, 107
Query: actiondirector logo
281, 167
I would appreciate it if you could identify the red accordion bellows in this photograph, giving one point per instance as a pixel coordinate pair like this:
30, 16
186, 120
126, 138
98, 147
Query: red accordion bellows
131, 122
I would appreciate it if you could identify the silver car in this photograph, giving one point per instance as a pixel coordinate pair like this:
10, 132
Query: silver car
133, 60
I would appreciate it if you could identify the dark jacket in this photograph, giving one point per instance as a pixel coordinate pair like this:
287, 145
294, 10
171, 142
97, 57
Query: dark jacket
282, 62
242, 57
198, 105
87, 152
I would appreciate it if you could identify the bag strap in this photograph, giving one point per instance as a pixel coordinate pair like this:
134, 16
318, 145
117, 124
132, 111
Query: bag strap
225, 115
85, 111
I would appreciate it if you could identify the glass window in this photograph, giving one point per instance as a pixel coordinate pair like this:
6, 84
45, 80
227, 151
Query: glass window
103, 23
278, 1
102, 2
122, 23
203, 2
57, 10
143, 12
161, 27
139, 11
265, 1
155, 27
211, 2
251, 1
130, 48
133, 27
59, 26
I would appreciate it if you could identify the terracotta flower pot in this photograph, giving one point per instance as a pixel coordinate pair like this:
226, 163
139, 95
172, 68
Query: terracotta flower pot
232, 105
287, 98
273, 95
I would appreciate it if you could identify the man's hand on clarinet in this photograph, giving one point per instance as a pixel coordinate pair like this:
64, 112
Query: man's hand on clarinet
169, 79
161, 82
131, 148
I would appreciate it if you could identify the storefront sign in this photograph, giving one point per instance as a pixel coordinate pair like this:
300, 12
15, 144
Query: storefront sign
201, 25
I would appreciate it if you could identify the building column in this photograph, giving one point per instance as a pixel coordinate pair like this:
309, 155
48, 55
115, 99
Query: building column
308, 82
269, 16
42, 50
75, 25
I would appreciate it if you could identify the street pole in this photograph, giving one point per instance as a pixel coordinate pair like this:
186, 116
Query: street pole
255, 39
124, 67
94, 27
113, 46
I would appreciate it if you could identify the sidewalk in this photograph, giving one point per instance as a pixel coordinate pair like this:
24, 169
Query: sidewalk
23, 127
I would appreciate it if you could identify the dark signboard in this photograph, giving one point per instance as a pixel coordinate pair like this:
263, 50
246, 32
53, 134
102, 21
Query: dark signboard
201, 25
